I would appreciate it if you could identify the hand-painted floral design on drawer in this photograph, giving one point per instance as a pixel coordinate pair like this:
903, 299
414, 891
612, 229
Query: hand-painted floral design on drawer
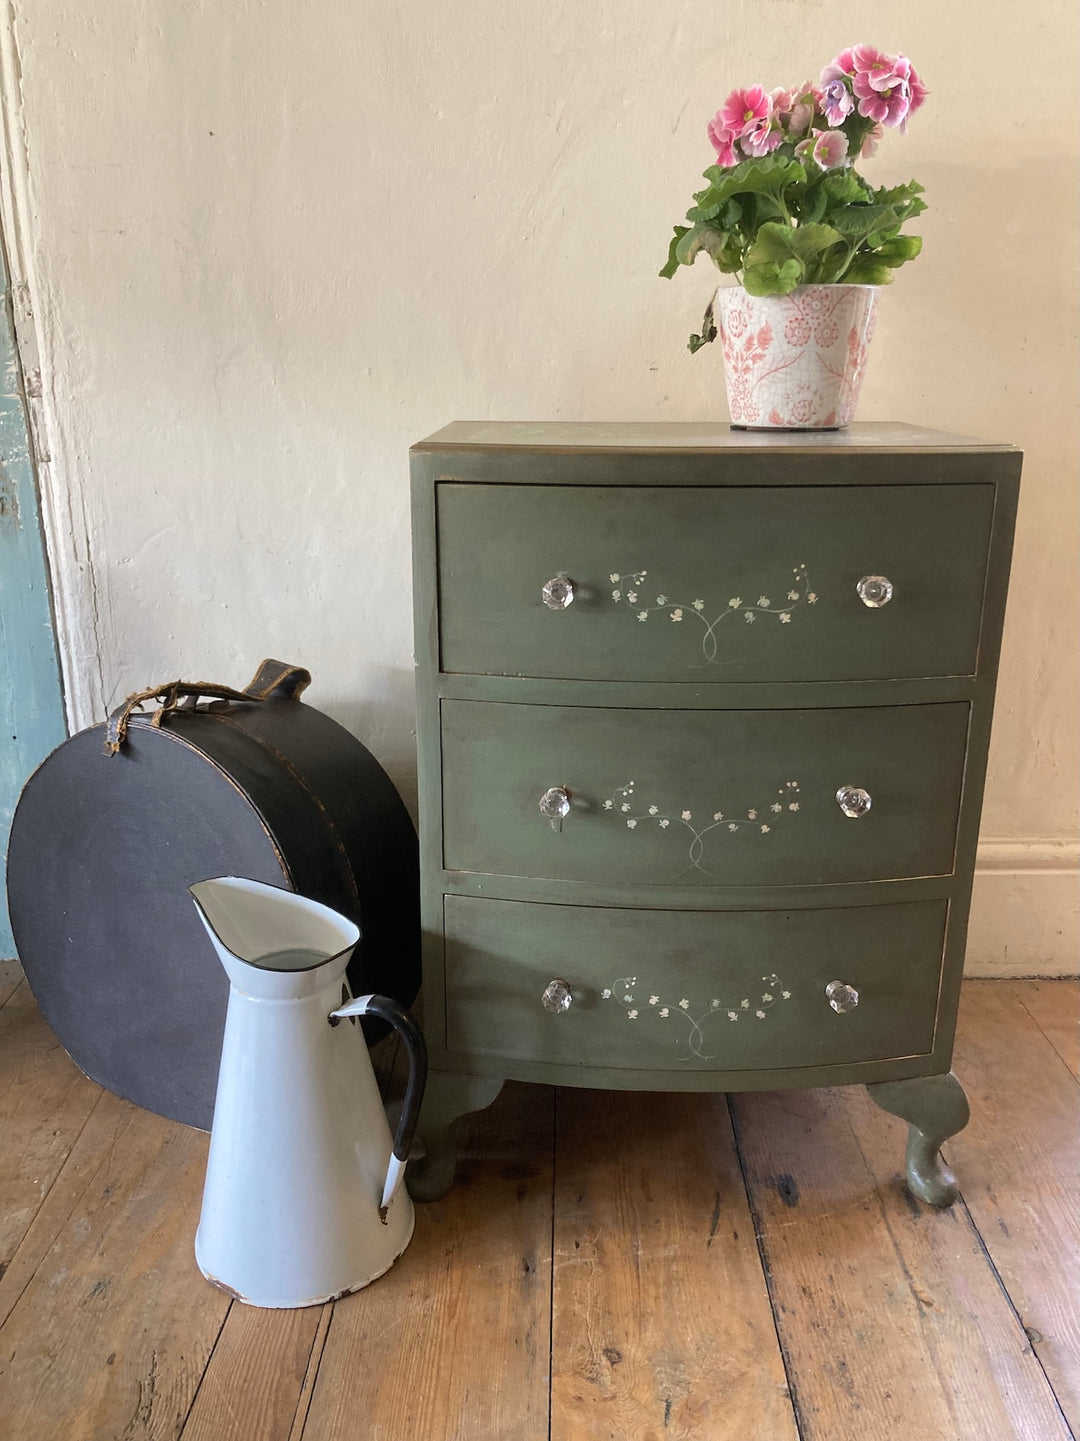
630, 590
756, 819
690, 1015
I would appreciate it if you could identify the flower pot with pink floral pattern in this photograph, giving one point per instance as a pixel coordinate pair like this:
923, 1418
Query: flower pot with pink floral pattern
806, 240
795, 362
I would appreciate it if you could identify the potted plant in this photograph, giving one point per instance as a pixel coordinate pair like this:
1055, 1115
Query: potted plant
809, 240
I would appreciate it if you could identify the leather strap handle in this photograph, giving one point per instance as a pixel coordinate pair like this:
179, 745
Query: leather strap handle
273, 679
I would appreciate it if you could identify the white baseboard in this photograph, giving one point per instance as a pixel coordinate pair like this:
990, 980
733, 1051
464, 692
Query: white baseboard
1025, 909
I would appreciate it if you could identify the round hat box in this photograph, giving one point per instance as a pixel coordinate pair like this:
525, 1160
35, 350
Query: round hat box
116, 824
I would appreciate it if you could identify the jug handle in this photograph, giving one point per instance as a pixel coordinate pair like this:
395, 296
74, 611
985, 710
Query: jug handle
389, 1010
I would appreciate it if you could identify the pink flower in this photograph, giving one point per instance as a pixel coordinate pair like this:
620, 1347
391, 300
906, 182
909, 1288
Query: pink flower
836, 101
881, 71
882, 85
830, 149
744, 109
782, 102
889, 106
844, 64
827, 147
723, 141
761, 138
870, 144
918, 89
807, 100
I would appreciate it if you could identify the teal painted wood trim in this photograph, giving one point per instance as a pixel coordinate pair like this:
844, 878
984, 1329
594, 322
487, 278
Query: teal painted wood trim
31, 700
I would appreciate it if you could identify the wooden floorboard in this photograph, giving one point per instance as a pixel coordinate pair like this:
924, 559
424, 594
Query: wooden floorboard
44, 1104
893, 1325
1054, 1006
254, 1384
607, 1265
1017, 1164
10, 977
113, 1335
454, 1341
653, 1239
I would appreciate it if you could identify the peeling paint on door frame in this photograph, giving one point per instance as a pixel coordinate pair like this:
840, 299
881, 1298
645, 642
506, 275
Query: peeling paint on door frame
63, 522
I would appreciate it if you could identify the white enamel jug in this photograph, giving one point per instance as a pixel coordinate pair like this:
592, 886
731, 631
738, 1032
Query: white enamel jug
303, 1199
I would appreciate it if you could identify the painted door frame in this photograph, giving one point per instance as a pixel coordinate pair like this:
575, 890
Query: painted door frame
31, 694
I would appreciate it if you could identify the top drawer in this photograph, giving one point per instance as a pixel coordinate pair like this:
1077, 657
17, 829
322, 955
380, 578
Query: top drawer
696, 584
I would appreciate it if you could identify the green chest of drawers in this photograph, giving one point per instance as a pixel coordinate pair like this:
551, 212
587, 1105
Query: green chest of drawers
702, 721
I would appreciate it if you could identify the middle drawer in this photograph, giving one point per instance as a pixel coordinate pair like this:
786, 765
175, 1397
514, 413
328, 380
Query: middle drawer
709, 798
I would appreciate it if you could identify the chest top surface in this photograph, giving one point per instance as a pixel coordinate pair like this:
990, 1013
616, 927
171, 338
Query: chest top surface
873, 437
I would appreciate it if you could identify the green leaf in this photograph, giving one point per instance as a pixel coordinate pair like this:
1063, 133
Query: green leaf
770, 278
867, 270
899, 250
806, 246
783, 221
692, 241
813, 205
730, 257
673, 259
899, 194
904, 199
779, 242
767, 179
879, 238
689, 241
862, 220
844, 186
781, 255
708, 330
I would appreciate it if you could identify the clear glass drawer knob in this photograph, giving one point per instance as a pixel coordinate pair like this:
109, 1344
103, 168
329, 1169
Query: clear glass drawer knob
555, 805
559, 592
557, 996
853, 801
841, 996
875, 591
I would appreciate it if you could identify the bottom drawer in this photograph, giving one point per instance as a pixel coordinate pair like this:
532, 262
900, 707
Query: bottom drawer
708, 990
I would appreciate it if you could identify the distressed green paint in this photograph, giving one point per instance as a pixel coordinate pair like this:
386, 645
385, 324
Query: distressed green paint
31, 702
718, 797
935, 1108
753, 984
477, 974
713, 585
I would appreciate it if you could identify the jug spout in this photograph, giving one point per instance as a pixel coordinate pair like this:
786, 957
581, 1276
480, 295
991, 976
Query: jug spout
270, 928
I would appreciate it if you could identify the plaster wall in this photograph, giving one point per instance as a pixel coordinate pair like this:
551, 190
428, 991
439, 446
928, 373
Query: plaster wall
261, 248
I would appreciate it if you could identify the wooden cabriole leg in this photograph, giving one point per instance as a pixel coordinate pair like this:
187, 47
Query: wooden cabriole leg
935, 1108
448, 1096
